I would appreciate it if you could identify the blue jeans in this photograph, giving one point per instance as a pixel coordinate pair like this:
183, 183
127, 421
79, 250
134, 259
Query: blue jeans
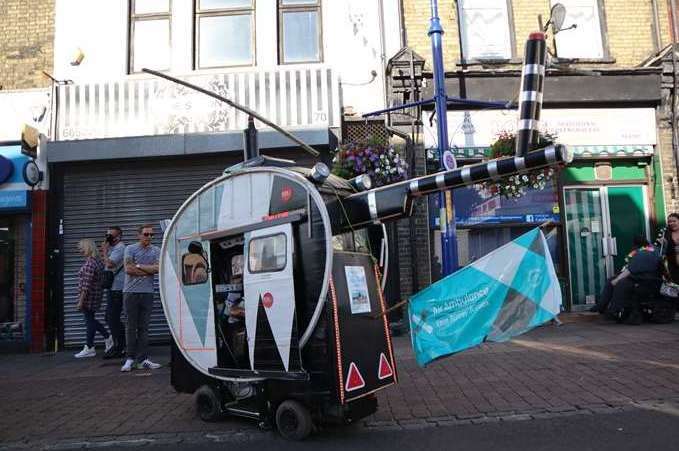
93, 326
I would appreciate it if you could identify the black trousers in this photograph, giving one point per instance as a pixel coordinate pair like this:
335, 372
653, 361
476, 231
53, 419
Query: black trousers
114, 309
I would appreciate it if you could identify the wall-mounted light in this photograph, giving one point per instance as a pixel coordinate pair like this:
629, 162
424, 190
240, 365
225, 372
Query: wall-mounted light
78, 57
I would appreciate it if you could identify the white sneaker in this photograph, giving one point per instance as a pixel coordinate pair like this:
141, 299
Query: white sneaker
86, 352
127, 367
148, 365
109, 343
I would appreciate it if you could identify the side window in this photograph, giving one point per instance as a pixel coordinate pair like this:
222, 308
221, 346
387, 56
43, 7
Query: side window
267, 254
356, 241
194, 265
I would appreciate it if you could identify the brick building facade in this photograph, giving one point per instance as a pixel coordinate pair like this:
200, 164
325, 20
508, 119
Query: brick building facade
26, 43
26, 50
633, 37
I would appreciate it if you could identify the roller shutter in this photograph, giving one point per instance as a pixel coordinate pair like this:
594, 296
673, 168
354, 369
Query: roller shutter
126, 194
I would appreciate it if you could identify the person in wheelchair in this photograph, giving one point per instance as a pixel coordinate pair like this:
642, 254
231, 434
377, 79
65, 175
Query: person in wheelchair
638, 281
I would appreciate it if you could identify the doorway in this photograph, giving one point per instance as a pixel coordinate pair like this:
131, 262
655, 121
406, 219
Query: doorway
601, 223
7, 302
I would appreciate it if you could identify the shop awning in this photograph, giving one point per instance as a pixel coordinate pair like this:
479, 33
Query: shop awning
612, 151
579, 151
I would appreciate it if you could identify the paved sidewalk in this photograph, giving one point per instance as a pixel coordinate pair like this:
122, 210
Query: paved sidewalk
579, 368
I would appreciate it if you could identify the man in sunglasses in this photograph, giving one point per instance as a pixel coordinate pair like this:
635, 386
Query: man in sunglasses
141, 264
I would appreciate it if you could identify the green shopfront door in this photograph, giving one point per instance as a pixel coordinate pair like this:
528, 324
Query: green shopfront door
601, 223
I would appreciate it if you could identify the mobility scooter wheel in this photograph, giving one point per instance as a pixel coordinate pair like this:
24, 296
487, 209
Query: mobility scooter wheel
208, 405
293, 420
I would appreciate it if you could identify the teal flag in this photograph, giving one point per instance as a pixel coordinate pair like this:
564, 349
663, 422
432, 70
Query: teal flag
506, 293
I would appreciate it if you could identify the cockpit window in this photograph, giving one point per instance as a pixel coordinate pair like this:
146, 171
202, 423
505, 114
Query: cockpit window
194, 268
356, 241
267, 254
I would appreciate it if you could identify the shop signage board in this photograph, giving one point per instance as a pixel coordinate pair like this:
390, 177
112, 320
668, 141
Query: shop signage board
474, 207
575, 127
11, 200
13, 188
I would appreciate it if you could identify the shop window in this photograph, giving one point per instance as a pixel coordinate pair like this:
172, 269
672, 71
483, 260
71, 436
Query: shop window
476, 242
486, 30
12, 279
299, 31
586, 41
267, 254
150, 38
224, 33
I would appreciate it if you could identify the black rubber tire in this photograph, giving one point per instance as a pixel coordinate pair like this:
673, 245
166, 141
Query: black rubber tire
293, 420
208, 406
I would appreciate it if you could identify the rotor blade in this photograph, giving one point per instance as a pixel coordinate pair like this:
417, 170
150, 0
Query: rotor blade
237, 106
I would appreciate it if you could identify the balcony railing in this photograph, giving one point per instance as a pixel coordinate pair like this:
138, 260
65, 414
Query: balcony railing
294, 97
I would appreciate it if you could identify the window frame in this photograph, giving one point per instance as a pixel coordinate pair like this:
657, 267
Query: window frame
302, 7
263, 237
223, 12
513, 56
132, 19
603, 27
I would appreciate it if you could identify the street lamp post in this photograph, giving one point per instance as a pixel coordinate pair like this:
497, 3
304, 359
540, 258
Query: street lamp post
449, 259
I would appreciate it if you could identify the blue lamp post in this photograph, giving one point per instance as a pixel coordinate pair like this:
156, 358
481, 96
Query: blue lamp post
449, 259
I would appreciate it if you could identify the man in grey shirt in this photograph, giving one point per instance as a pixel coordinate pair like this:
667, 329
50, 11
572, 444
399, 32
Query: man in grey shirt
141, 263
112, 253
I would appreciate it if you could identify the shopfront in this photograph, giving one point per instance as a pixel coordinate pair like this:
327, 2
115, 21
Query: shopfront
594, 207
120, 182
15, 251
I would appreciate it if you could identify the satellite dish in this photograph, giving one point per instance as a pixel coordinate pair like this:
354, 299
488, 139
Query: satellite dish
557, 15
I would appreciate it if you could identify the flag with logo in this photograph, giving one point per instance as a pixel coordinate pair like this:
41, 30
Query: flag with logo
504, 294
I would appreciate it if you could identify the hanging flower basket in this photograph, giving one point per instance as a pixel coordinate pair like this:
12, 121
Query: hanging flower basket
515, 186
382, 163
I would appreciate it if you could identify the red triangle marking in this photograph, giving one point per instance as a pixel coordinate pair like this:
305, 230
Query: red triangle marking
354, 378
384, 371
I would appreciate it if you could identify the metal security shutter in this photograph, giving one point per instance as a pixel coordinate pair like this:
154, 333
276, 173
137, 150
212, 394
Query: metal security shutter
126, 194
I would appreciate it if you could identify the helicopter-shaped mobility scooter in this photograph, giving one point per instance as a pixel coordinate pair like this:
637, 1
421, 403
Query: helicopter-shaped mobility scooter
275, 307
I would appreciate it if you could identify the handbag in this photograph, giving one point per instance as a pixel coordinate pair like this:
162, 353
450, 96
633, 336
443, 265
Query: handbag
107, 278
670, 290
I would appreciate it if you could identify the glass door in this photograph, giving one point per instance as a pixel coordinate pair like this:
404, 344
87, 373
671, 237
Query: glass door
586, 253
628, 218
601, 223
7, 304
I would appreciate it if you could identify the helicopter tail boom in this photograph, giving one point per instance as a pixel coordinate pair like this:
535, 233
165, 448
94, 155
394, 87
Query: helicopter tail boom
395, 201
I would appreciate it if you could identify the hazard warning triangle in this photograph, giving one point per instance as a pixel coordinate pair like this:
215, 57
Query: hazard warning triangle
354, 378
384, 370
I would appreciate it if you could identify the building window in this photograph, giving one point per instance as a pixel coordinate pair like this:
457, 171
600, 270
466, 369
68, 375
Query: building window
224, 33
586, 40
299, 31
485, 30
149, 35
